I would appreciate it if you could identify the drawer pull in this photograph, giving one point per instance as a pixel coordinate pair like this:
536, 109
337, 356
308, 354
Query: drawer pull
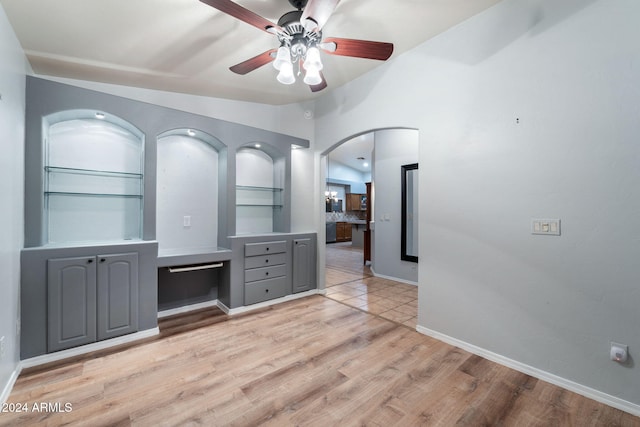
266, 290
267, 249
266, 273
267, 260
89, 261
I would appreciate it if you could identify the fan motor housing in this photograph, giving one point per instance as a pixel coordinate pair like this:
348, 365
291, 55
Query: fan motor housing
290, 23
298, 4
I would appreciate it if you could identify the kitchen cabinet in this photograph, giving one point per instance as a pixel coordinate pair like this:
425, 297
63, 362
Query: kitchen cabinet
91, 298
356, 202
343, 232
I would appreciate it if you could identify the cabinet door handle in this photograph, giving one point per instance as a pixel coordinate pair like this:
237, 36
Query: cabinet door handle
266, 290
267, 249
90, 260
266, 273
267, 260
102, 259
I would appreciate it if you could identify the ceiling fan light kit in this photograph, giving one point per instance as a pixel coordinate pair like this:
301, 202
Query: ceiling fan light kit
300, 35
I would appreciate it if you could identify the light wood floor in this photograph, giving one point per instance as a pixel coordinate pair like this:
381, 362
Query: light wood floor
351, 282
308, 362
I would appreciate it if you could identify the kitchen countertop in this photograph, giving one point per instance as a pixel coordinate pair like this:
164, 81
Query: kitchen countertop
355, 222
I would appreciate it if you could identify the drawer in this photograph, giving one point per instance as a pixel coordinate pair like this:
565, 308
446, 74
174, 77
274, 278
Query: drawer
265, 260
265, 248
265, 273
264, 290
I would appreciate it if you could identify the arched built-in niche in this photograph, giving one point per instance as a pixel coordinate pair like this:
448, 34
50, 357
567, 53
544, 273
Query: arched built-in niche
93, 182
188, 191
260, 190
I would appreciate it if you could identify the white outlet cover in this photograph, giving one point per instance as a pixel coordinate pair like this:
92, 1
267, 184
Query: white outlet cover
549, 227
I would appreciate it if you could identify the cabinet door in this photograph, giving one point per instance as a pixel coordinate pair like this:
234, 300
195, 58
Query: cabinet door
347, 232
117, 295
350, 205
71, 302
304, 265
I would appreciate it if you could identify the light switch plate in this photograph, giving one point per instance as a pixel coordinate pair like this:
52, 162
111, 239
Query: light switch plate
550, 227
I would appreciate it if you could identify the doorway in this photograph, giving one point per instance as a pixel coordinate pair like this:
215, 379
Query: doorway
348, 278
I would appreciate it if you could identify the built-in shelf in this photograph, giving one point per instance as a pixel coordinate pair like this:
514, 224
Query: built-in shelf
93, 181
92, 172
253, 196
68, 193
253, 188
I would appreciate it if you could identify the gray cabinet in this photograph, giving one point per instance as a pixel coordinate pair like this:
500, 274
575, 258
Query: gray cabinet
265, 275
71, 291
304, 264
91, 298
117, 297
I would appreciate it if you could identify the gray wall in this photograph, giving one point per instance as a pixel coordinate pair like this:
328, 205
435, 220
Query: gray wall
392, 149
527, 110
12, 104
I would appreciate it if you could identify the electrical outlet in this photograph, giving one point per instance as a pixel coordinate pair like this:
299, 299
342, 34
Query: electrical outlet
1, 348
186, 221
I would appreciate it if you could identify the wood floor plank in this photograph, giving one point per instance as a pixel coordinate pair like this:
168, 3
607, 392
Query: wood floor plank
307, 362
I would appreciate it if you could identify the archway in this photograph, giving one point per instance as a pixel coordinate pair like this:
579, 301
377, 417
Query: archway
347, 277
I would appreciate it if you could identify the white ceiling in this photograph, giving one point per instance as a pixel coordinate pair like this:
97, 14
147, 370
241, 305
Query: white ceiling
187, 46
348, 152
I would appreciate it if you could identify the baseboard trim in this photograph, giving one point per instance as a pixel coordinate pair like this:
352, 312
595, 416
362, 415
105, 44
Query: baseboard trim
252, 307
583, 390
77, 351
9, 386
395, 279
187, 308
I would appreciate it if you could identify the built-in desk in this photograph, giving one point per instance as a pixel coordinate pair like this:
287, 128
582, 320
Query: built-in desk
178, 257
189, 276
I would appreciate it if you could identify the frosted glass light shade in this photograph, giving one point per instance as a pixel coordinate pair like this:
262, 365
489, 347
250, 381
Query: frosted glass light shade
283, 57
312, 60
312, 77
285, 76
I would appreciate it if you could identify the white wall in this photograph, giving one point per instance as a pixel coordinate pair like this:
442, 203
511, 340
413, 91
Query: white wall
12, 105
176, 198
528, 110
393, 148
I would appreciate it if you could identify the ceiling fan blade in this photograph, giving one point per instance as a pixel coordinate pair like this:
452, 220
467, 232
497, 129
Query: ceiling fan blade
245, 15
319, 86
357, 48
255, 62
319, 11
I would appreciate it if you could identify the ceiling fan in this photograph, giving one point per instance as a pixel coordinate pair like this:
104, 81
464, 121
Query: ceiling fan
300, 35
